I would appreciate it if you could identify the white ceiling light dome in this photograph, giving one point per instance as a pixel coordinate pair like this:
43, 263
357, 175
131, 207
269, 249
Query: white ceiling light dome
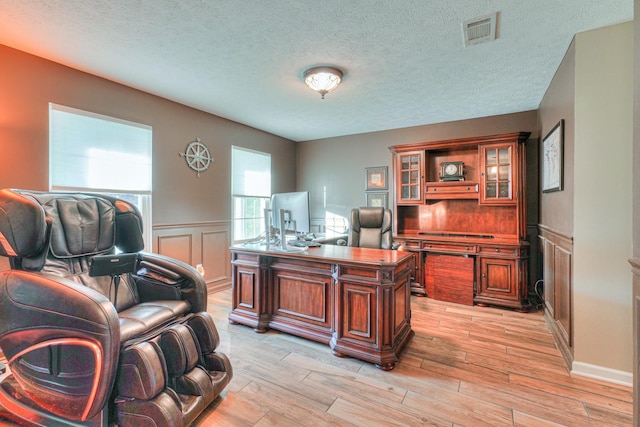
323, 79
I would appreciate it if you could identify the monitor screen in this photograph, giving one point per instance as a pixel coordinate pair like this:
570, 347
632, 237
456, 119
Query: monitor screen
295, 208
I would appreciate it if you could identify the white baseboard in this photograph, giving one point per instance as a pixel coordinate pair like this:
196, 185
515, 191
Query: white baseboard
602, 373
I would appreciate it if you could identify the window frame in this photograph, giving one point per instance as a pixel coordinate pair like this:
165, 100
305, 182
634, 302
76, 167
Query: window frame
144, 196
261, 195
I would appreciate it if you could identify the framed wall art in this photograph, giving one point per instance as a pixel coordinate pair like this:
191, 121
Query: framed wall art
377, 200
376, 178
552, 159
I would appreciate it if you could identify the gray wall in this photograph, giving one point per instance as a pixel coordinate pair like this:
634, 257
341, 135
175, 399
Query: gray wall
191, 216
332, 169
556, 208
603, 177
592, 92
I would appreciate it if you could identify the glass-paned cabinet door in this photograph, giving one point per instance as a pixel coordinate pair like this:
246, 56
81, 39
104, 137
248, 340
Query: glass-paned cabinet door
409, 177
496, 174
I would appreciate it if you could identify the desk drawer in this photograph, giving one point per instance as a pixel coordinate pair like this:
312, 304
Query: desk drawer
451, 190
410, 245
499, 250
450, 248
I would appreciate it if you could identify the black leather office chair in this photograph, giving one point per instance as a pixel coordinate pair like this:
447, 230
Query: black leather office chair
93, 337
371, 228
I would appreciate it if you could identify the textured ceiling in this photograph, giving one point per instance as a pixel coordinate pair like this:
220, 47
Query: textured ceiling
404, 61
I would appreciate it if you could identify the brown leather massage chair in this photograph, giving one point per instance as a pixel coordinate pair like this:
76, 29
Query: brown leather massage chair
95, 331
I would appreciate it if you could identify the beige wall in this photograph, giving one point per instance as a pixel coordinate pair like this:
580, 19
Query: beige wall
603, 198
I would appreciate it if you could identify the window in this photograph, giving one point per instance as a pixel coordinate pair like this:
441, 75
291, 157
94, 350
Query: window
250, 192
93, 153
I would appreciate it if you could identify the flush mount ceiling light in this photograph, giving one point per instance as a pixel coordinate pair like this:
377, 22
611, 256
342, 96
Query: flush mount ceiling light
322, 79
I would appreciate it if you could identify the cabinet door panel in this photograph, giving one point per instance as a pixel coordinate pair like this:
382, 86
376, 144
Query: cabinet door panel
498, 172
246, 289
409, 177
562, 262
358, 304
498, 277
549, 281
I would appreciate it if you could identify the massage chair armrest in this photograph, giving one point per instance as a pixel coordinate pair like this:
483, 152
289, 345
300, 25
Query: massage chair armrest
39, 310
161, 277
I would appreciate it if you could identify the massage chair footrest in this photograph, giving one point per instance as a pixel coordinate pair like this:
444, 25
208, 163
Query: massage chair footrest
163, 381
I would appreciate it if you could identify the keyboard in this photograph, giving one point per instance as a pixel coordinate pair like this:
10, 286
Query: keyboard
303, 243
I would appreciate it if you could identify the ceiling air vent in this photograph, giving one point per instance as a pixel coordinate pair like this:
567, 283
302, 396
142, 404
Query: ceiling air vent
480, 30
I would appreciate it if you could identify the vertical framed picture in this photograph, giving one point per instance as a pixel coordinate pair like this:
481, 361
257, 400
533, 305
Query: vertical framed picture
376, 178
552, 159
377, 200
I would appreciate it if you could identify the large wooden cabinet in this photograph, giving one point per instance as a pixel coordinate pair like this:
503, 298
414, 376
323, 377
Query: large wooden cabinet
478, 221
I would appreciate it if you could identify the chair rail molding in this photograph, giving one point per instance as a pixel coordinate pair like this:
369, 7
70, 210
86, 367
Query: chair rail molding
205, 243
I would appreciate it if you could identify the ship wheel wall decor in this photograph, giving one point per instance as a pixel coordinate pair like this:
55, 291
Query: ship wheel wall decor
197, 156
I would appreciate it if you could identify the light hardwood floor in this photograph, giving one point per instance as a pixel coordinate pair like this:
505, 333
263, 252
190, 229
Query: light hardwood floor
465, 366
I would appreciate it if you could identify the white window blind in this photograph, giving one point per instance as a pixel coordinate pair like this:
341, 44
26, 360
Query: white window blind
98, 153
250, 191
251, 173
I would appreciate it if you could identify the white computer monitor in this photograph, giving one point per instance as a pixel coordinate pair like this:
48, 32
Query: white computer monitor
290, 212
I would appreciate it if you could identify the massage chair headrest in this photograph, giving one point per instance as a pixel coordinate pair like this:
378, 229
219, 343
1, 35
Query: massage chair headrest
71, 225
22, 225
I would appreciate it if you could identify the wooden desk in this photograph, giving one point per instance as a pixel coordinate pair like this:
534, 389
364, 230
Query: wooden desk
354, 299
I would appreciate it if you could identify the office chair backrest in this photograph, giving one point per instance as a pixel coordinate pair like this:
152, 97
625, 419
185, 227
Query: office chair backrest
370, 228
